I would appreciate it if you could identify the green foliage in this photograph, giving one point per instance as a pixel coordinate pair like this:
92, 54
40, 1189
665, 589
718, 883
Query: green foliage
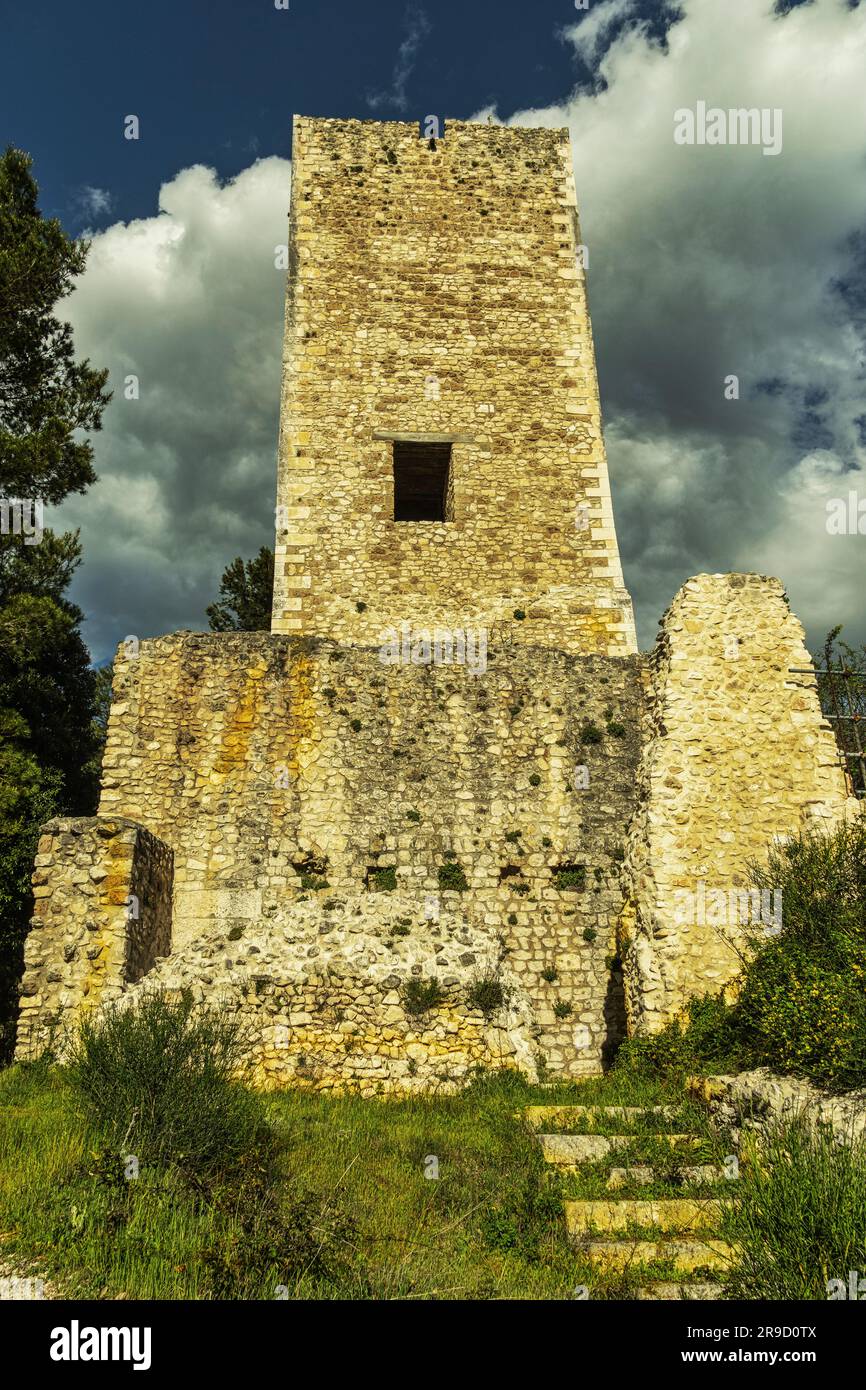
570, 876
419, 996
382, 880
590, 733
801, 1002
451, 876
46, 398
246, 595
704, 1037
615, 729
313, 882
49, 735
535, 780
550, 974
590, 934
562, 1008
157, 1080
799, 1220
487, 993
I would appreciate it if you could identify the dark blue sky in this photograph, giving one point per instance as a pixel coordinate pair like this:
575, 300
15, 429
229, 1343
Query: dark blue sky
217, 81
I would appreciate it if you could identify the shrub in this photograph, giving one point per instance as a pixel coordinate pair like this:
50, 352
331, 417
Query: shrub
487, 993
313, 882
535, 780
615, 729
801, 1003
550, 974
157, 1080
452, 876
590, 934
382, 880
419, 996
590, 733
570, 876
562, 1008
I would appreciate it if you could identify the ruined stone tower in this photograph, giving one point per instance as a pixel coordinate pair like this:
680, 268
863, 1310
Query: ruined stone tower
295, 828
441, 457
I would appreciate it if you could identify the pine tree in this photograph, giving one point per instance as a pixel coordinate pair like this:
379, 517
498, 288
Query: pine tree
47, 398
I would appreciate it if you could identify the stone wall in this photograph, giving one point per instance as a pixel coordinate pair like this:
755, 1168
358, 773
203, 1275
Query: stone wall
425, 299
735, 753
760, 1101
273, 766
102, 917
322, 992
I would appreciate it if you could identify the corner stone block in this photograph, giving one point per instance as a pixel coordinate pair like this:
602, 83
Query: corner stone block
86, 947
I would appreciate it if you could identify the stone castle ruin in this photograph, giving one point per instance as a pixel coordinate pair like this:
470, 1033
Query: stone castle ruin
444, 813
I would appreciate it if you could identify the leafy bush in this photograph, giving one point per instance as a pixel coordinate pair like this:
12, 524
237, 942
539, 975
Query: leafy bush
382, 880
570, 876
703, 1037
487, 993
799, 1220
419, 996
801, 1000
451, 876
157, 1081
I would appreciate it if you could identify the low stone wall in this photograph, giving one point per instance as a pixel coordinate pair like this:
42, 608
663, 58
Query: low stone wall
269, 763
102, 918
756, 1100
735, 752
321, 993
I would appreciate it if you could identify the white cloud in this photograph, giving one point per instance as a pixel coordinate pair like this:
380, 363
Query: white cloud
417, 27
189, 302
714, 260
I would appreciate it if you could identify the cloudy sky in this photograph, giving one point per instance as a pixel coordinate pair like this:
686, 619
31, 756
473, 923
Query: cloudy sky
704, 262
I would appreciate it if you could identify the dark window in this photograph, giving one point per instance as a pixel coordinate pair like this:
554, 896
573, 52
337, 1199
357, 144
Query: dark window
422, 481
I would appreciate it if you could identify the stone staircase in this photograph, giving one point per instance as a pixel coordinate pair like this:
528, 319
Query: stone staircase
663, 1244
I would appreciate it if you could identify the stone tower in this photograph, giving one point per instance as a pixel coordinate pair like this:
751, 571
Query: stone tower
293, 828
441, 457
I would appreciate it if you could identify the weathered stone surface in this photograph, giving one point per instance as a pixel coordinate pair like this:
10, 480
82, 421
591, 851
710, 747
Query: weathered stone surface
735, 753
101, 923
759, 1099
328, 1021
425, 298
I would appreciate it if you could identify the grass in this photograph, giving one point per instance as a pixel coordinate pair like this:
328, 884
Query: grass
799, 1220
346, 1179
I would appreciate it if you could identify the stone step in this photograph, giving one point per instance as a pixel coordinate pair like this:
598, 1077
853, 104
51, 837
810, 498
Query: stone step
540, 1116
642, 1174
669, 1293
687, 1255
668, 1214
570, 1150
